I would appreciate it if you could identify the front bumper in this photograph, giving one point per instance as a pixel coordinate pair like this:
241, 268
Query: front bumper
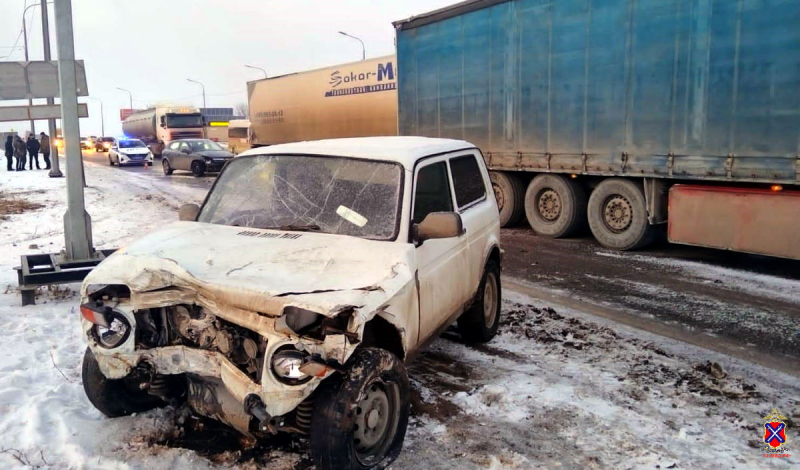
135, 159
215, 166
279, 398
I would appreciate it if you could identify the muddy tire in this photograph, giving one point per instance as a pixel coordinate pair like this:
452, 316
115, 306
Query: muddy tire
480, 322
618, 215
510, 195
165, 166
110, 161
371, 433
113, 398
198, 168
555, 206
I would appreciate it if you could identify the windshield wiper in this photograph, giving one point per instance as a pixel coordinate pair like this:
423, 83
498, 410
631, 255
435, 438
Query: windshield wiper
296, 228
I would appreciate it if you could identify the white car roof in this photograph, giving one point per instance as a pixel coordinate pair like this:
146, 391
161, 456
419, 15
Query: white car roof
404, 150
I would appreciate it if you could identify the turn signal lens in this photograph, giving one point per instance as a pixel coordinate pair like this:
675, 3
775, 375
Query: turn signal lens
777, 187
94, 317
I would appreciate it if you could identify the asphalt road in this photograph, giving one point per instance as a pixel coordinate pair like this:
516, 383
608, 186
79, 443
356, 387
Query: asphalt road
736, 303
183, 178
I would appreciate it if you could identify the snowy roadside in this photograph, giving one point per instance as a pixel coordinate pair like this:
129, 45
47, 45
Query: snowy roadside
555, 389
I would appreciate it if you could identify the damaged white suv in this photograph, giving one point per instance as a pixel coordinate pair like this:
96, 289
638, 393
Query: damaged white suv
290, 300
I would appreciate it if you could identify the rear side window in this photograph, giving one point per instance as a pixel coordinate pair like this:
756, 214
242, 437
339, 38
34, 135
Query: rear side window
467, 180
433, 191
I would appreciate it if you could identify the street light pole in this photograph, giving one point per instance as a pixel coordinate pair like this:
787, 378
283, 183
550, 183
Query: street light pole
130, 96
363, 48
204, 103
55, 167
25, 38
257, 68
102, 116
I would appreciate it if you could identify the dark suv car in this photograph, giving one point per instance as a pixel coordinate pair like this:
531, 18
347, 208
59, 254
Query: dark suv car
103, 144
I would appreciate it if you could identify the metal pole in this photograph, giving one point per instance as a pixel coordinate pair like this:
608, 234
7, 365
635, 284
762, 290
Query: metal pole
257, 68
130, 96
363, 47
102, 120
204, 102
55, 170
25, 37
77, 223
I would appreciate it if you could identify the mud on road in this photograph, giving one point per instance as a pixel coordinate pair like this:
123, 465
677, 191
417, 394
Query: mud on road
553, 390
750, 299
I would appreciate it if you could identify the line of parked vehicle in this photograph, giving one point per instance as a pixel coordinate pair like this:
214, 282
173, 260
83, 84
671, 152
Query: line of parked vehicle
199, 156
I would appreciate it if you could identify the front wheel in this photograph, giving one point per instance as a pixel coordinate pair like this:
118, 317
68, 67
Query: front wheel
480, 322
198, 168
360, 417
113, 398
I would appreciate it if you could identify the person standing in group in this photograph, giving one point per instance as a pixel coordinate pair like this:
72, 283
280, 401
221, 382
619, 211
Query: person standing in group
33, 149
44, 141
19, 152
10, 152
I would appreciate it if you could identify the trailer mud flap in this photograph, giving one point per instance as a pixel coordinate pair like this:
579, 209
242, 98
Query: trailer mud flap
751, 220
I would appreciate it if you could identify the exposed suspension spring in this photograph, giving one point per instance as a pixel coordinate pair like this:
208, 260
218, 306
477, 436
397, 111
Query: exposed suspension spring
303, 414
160, 387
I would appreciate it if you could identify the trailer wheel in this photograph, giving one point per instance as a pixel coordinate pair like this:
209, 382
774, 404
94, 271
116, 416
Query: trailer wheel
555, 206
510, 195
618, 215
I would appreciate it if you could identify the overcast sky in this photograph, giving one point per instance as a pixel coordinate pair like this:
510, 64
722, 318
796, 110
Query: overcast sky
152, 46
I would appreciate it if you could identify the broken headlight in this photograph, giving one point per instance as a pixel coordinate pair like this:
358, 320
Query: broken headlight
286, 366
114, 333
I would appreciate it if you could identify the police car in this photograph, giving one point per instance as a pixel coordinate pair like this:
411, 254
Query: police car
129, 151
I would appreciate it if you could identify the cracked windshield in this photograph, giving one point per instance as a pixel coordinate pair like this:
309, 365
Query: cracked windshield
327, 194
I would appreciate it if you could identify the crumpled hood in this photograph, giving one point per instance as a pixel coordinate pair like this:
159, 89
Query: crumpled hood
262, 270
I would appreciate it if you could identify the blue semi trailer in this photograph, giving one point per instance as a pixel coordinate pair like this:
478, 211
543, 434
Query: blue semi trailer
620, 115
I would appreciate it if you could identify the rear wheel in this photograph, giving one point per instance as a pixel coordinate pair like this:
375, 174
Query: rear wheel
618, 215
480, 322
555, 206
113, 398
198, 168
360, 417
110, 161
510, 195
165, 165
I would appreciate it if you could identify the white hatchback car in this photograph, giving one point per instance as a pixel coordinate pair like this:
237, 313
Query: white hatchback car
292, 298
129, 151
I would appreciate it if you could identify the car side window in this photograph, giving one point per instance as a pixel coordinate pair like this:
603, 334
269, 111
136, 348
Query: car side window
433, 191
174, 145
184, 146
467, 180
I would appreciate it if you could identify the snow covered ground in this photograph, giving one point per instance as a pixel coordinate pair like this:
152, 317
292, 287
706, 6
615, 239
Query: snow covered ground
557, 388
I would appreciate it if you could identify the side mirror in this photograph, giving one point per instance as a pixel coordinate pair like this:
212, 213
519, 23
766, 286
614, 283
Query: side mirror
439, 225
188, 212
